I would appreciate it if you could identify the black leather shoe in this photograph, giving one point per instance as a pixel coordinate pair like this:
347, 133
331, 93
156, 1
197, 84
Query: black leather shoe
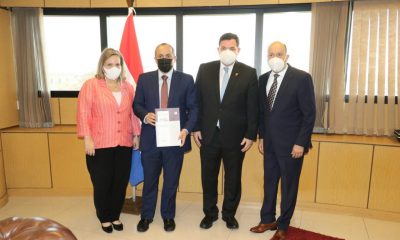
169, 225
118, 227
143, 225
107, 229
207, 222
231, 222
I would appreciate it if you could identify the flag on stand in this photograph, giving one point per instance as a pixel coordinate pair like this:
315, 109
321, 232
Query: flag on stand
129, 49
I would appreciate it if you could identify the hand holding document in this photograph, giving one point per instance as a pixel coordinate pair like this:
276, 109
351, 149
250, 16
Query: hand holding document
168, 127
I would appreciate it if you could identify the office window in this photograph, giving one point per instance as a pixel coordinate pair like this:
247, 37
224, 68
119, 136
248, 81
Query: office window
201, 35
373, 60
72, 50
74, 42
292, 28
149, 31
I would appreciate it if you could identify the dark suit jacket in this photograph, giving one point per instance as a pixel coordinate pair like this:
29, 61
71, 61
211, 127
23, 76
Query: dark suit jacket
238, 111
291, 120
182, 95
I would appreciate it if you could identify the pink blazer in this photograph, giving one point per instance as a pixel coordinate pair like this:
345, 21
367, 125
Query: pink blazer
100, 116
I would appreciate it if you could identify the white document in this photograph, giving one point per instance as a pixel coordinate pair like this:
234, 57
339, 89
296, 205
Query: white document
168, 127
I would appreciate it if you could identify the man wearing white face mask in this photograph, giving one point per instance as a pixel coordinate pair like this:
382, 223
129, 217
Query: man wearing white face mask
287, 115
227, 127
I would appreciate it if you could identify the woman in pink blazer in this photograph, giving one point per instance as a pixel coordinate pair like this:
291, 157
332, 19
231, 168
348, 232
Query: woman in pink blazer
106, 122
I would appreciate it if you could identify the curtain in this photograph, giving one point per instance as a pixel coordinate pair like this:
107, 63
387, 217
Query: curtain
373, 81
33, 94
329, 22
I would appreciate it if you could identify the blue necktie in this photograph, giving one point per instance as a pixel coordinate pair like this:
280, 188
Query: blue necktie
224, 83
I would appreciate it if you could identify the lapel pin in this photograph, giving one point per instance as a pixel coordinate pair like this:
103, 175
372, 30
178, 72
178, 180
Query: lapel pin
236, 74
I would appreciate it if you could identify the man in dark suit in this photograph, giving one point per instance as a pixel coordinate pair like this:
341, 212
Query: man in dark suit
227, 127
163, 88
287, 115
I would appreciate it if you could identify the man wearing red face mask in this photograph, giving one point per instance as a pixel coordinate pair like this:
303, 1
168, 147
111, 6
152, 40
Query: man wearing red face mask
287, 115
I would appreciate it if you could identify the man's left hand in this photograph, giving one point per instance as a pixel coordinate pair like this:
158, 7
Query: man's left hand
246, 143
297, 151
182, 136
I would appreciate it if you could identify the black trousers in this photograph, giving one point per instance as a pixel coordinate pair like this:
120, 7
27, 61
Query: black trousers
109, 171
287, 169
211, 155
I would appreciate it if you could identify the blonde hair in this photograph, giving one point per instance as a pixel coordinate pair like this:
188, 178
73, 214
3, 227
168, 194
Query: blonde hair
106, 54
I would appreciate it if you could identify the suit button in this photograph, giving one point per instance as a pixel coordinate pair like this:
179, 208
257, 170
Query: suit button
119, 131
119, 122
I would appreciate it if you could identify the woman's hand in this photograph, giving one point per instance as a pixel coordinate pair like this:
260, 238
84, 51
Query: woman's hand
89, 146
136, 142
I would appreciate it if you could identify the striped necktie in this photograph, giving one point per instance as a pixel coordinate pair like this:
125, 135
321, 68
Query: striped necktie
272, 92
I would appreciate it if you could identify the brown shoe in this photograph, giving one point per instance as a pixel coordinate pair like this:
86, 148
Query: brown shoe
262, 227
279, 235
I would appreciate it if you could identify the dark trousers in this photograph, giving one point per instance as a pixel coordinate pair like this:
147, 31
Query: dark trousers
109, 171
211, 155
169, 160
288, 170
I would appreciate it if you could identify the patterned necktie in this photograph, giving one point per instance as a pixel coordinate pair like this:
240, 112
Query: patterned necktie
272, 92
224, 83
164, 92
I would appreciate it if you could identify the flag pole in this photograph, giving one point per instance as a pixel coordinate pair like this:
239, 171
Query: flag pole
129, 48
132, 9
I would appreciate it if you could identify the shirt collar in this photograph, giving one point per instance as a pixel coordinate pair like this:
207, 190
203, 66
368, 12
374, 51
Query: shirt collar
230, 67
169, 74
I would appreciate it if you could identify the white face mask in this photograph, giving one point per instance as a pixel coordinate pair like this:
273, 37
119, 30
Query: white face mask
276, 64
112, 73
227, 57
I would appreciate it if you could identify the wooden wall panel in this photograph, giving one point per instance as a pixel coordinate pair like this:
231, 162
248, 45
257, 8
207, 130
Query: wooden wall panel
385, 179
343, 174
308, 177
146, 3
191, 3
307, 185
301, 1
68, 162
8, 83
253, 175
67, 4
252, 2
22, 3
159, 3
3, 187
190, 180
26, 160
55, 110
68, 108
109, 3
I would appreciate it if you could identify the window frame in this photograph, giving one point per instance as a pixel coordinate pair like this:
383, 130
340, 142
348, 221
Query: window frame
346, 98
179, 12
